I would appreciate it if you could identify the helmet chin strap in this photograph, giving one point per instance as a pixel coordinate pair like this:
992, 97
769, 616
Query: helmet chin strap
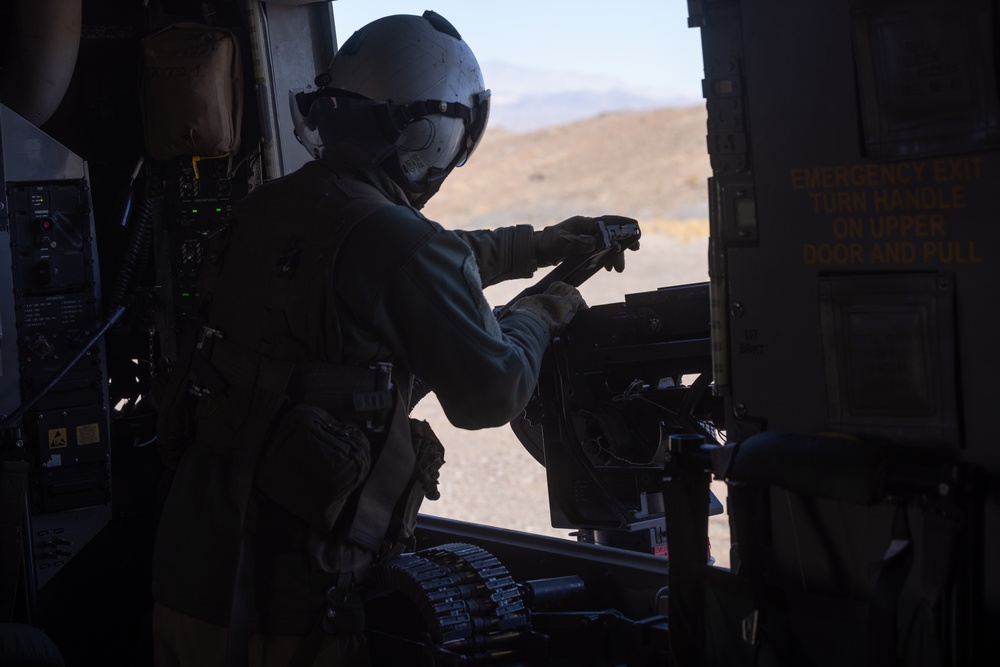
433, 184
417, 194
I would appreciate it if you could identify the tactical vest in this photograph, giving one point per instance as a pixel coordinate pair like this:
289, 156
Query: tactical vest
327, 442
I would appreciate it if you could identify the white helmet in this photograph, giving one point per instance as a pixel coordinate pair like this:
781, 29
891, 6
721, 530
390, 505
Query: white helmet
402, 87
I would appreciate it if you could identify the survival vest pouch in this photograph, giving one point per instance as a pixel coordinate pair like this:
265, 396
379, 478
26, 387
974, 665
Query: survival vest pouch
312, 464
319, 452
192, 91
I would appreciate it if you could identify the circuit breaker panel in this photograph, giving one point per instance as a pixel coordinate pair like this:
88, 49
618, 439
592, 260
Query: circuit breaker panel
197, 197
52, 315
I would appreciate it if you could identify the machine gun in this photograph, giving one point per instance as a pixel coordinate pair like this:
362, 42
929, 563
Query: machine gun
614, 386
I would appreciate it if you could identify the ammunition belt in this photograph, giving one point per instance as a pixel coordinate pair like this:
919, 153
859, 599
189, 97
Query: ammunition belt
468, 602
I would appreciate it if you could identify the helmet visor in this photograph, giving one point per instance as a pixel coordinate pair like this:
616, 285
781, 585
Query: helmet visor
474, 133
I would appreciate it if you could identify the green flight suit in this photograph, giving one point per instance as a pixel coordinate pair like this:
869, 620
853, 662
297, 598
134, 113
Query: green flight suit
330, 267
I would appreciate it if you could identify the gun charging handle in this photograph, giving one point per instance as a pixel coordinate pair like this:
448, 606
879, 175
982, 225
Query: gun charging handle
611, 240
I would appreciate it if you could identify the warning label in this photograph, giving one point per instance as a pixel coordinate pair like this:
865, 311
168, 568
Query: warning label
890, 214
57, 438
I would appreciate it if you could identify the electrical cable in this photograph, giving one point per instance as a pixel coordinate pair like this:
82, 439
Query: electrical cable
12, 418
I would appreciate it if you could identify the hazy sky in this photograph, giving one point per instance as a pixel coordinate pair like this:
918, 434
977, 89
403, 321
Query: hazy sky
643, 42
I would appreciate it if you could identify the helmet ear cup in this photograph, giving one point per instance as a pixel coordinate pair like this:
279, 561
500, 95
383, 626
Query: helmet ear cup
417, 136
429, 143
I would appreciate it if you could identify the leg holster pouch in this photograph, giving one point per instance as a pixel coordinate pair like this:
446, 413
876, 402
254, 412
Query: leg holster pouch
423, 483
319, 451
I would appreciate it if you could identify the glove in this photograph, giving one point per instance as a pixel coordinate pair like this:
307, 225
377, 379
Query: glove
575, 236
556, 306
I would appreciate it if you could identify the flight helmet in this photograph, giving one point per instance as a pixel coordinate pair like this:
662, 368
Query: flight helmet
404, 92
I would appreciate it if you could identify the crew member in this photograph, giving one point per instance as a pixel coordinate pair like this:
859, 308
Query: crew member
328, 301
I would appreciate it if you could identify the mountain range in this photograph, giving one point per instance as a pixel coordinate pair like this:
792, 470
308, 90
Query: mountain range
526, 99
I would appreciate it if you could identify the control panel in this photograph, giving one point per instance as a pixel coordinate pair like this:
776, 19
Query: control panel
57, 312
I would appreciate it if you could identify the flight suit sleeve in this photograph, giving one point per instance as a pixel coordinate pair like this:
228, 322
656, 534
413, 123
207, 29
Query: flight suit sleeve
422, 296
503, 254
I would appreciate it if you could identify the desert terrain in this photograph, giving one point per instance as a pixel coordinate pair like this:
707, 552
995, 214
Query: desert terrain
649, 165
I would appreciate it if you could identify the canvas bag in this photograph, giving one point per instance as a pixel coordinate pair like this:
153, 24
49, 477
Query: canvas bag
192, 91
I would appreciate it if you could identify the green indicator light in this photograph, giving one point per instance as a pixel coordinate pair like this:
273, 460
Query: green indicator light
194, 210
218, 210
185, 293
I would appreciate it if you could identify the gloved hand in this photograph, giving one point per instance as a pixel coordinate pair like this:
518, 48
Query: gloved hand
557, 305
575, 236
